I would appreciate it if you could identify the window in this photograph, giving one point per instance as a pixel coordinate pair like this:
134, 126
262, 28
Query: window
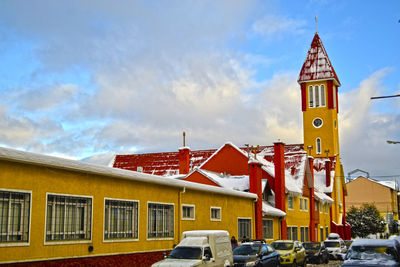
326, 208
268, 229
304, 233
320, 207
187, 212
301, 204
318, 142
326, 231
244, 228
290, 202
68, 217
160, 221
311, 96
215, 214
121, 219
334, 96
14, 216
322, 233
292, 233
316, 96
316, 205
306, 204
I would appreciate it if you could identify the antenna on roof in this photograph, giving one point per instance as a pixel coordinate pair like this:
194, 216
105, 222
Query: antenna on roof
316, 24
184, 139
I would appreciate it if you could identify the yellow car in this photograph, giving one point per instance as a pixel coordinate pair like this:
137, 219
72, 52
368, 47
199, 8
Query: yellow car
291, 252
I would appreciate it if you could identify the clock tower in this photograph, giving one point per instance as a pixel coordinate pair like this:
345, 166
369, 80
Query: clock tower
319, 101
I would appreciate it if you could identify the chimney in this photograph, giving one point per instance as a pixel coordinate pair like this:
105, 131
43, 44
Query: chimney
328, 166
312, 202
184, 160
280, 198
256, 188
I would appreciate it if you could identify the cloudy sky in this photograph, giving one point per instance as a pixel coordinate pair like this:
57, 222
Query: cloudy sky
87, 79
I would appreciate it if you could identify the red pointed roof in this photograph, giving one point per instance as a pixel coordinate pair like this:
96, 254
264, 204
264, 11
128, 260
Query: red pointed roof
317, 65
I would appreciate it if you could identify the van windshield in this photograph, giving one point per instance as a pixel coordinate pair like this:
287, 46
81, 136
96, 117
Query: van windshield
332, 244
192, 253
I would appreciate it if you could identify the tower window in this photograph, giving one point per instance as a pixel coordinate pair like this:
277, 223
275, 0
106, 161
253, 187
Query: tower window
318, 145
334, 97
316, 96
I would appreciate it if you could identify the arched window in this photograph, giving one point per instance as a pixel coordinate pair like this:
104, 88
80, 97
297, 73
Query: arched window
318, 145
311, 96
316, 90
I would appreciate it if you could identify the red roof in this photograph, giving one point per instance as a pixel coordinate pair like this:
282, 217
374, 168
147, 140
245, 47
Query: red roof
167, 163
317, 65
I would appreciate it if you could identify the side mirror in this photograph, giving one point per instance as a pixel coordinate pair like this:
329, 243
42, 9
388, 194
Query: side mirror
164, 255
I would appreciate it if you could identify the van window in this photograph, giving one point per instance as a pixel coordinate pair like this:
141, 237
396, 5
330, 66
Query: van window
207, 252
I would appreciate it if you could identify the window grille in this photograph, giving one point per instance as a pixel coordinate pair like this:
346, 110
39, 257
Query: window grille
268, 229
120, 219
290, 202
316, 96
187, 212
322, 95
311, 96
216, 214
14, 216
68, 218
160, 220
244, 228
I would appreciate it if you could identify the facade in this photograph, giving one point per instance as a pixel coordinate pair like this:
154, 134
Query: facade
57, 209
386, 199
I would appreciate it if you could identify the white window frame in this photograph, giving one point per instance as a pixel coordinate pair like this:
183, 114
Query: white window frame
272, 229
290, 206
301, 203
248, 219
311, 102
122, 239
23, 211
318, 145
316, 96
305, 204
149, 238
193, 208
75, 241
220, 214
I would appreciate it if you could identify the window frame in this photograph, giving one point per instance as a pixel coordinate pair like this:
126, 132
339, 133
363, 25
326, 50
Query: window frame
128, 239
148, 221
188, 218
317, 96
290, 207
76, 241
266, 227
19, 243
318, 145
248, 220
220, 214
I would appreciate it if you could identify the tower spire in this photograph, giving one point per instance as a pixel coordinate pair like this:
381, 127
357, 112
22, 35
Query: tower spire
316, 24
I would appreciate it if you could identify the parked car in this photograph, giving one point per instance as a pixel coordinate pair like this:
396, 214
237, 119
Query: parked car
291, 252
255, 253
373, 252
348, 243
316, 252
200, 248
335, 246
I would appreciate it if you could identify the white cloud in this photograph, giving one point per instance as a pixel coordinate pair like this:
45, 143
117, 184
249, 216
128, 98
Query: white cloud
273, 25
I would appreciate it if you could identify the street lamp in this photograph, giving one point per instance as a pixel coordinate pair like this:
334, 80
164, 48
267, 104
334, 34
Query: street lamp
392, 142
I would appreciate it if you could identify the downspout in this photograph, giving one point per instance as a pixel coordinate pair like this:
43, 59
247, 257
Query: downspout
180, 213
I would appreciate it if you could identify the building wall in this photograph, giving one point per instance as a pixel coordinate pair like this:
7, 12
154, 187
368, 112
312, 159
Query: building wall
360, 190
43, 179
296, 217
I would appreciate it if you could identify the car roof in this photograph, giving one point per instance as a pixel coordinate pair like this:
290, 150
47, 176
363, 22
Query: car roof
374, 242
284, 241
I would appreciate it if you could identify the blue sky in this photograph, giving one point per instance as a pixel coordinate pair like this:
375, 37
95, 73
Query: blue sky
87, 79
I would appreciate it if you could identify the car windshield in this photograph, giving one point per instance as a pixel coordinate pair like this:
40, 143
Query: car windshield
311, 245
282, 245
186, 253
371, 253
332, 244
246, 250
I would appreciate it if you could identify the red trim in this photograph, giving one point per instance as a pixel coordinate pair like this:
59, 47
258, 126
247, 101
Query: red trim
330, 94
303, 96
337, 99
279, 161
328, 173
312, 203
255, 187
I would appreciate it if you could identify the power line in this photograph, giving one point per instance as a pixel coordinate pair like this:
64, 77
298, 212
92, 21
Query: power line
387, 96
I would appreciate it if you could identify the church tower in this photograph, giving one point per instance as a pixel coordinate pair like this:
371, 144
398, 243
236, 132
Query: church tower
319, 100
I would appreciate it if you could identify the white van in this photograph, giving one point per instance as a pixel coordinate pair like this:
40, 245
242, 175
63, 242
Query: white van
200, 248
335, 246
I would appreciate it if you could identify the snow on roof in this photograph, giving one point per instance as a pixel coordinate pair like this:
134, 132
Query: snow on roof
374, 242
234, 182
322, 197
317, 65
12, 155
267, 209
390, 184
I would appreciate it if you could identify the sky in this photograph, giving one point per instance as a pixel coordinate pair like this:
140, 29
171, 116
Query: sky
89, 79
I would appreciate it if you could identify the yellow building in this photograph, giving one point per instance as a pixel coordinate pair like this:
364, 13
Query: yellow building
53, 208
385, 197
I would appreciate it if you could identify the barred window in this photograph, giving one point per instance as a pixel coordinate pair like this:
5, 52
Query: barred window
121, 219
14, 216
160, 220
215, 214
303, 234
244, 228
292, 233
268, 229
68, 218
187, 212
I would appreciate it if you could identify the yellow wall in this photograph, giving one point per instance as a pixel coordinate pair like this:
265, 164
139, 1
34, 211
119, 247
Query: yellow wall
41, 180
328, 133
296, 217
